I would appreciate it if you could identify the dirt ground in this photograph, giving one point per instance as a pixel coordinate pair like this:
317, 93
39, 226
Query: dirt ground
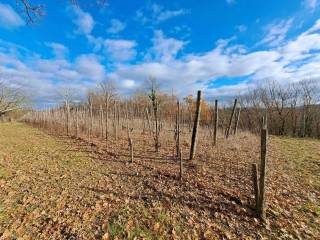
54, 187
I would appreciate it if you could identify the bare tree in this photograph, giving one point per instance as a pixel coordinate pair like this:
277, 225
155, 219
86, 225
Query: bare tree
10, 98
67, 96
32, 12
155, 104
310, 89
109, 93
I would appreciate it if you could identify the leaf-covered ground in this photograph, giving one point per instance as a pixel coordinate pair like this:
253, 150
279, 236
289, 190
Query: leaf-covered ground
62, 188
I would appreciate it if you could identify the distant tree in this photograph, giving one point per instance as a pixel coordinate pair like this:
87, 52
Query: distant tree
153, 89
67, 95
10, 98
109, 93
310, 90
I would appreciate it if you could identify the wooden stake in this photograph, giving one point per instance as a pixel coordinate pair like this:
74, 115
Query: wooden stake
131, 148
91, 120
216, 117
195, 127
178, 130
181, 165
231, 118
255, 185
237, 121
67, 116
261, 205
77, 123
106, 120
101, 121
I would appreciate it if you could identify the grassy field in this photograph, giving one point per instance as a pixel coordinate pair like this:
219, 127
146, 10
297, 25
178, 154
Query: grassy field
62, 188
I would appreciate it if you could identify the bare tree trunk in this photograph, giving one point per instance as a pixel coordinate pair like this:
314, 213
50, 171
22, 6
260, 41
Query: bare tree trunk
148, 120
195, 127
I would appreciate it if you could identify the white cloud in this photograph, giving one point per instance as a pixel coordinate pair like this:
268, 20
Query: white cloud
59, 50
9, 19
128, 83
120, 49
42, 78
82, 20
116, 26
164, 49
90, 67
311, 4
156, 13
165, 15
196, 71
314, 28
290, 61
277, 32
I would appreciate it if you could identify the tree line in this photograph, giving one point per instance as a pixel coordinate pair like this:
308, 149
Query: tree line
290, 109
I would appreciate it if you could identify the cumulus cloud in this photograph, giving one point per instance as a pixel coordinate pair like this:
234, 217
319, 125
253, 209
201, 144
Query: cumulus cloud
290, 61
197, 71
82, 20
120, 49
90, 67
128, 83
9, 19
59, 50
116, 26
164, 49
41, 78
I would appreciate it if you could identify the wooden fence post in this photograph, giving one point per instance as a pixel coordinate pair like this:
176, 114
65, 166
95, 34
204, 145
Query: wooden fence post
101, 120
255, 185
195, 127
216, 119
67, 116
106, 120
131, 148
181, 164
115, 121
231, 118
261, 202
91, 119
178, 130
77, 123
237, 121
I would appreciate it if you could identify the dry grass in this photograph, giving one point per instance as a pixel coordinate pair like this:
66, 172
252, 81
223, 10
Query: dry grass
60, 188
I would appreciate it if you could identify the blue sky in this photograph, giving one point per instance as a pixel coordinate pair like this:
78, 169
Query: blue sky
224, 47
